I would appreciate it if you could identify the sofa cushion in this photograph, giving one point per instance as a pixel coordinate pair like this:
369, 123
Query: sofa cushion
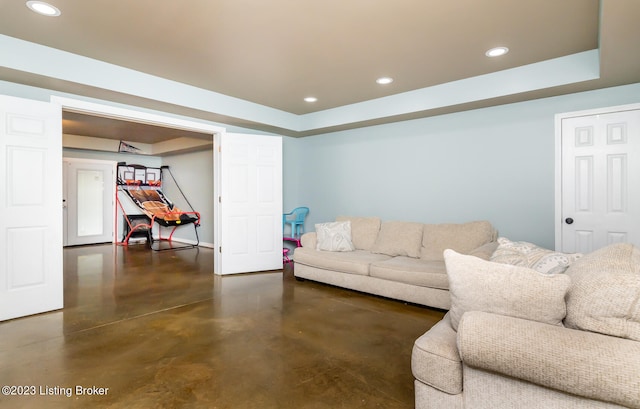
435, 360
413, 271
352, 262
604, 295
480, 285
334, 236
399, 239
462, 237
525, 254
364, 230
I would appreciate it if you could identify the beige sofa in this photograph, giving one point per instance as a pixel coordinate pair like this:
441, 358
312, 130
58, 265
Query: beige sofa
399, 260
514, 338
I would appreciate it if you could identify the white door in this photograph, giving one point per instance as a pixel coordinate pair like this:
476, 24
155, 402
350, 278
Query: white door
89, 202
31, 278
249, 171
600, 180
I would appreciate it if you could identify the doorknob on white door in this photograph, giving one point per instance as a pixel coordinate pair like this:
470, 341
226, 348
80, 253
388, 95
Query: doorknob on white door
568, 220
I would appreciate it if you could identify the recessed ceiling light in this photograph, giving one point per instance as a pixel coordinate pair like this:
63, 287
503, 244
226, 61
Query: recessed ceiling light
43, 8
311, 99
497, 51
384, 80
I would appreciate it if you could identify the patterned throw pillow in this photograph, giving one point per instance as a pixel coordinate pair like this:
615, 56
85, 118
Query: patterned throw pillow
522, 253
334, 236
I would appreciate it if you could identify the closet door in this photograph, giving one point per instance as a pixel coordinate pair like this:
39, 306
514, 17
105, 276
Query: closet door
600, 180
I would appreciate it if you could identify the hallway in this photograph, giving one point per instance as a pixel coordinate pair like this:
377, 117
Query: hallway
144, 329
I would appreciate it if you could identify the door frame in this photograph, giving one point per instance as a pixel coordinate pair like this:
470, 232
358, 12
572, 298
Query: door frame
86, 107
559, 158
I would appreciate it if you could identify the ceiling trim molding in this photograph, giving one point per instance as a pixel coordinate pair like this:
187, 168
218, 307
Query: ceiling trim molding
566, 70
86, 107
53, 63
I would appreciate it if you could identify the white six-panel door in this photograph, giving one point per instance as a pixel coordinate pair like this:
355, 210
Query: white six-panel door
31, 278
250, 203
600, 180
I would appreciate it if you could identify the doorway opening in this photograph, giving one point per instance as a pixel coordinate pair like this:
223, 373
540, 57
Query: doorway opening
103, 128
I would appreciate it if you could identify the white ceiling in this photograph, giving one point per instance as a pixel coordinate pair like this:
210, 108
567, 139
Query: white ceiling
274, 53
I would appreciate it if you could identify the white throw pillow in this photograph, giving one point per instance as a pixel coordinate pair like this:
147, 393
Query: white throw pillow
520, 292
334, 236
522, 253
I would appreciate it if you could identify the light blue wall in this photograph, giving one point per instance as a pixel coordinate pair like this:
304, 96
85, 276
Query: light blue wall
493, 164
291, 167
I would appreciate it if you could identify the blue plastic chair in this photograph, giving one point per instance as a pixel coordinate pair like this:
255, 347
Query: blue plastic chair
296, 219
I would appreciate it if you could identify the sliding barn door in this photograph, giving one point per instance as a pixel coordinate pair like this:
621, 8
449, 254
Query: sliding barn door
31, 278
250, 203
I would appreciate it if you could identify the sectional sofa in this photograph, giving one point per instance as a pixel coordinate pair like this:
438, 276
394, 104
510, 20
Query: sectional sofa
517, 338
394, 259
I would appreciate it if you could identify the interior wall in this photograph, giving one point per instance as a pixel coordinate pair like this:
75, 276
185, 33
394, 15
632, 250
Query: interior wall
493, 164
194, 175
291, 170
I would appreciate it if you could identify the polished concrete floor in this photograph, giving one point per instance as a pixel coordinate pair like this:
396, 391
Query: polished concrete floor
144, 329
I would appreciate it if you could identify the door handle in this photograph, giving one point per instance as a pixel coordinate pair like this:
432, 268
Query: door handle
568, 220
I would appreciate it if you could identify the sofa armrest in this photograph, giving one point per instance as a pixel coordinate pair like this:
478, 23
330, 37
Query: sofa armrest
582, 363
309, 240
435, 360
485, 251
